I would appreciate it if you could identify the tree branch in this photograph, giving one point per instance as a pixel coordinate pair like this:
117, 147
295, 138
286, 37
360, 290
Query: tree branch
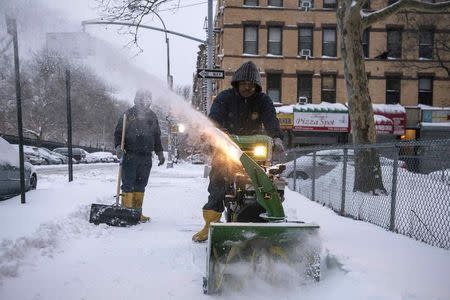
381, 14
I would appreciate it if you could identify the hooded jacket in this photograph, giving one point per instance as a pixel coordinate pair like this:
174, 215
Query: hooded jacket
245, 116
142, 133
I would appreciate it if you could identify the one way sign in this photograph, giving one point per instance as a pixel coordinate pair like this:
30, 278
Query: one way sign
211, 73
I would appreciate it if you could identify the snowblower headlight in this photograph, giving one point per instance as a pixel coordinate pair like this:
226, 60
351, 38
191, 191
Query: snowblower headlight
260, 151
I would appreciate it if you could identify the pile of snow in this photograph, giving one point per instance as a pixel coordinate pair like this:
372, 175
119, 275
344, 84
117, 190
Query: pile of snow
66, 257
388, 109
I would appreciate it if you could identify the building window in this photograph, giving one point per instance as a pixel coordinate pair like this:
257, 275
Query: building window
329, 88
393, 84
392, 2
426, 91
274, 40
305, 39
277, 3
329, 42
329, 4
251, 40
251, 2
394, 43
274, 87
426, 42
310, 3
304, 86
365, 42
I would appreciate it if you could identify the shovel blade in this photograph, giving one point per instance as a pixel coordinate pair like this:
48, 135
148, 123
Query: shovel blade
114, 215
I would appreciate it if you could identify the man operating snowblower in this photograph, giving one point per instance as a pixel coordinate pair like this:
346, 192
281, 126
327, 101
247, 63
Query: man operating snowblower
142, 137
242, 109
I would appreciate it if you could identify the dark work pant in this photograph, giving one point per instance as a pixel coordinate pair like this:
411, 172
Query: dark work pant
135, 172
219, 179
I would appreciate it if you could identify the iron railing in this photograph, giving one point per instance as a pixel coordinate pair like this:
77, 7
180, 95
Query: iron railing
416, 178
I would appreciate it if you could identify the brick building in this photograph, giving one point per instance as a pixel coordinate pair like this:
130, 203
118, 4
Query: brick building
295, 44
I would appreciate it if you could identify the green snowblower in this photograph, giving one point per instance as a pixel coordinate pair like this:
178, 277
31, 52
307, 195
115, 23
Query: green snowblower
256, 238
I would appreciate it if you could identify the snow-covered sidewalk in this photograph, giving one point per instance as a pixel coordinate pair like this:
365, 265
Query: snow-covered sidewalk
49, 250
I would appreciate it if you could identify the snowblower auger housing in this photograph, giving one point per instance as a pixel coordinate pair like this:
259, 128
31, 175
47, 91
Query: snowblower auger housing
256, 230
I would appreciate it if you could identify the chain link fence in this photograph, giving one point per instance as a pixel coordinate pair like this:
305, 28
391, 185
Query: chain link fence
414, 199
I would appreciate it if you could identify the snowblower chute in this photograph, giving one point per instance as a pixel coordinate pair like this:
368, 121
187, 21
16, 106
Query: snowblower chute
257, 238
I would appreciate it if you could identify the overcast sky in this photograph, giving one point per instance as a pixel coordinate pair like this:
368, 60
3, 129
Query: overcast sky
188, 19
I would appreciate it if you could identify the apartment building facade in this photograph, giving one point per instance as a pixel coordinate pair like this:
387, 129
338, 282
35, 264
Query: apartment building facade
295, 45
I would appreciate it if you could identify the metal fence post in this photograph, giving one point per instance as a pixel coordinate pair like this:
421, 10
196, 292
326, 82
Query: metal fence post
69, 124
314, 177
344, 181
11, 28
394, 191
295, 170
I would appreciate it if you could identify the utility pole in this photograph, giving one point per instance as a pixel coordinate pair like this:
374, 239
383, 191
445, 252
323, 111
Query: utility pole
11, 27
209, 55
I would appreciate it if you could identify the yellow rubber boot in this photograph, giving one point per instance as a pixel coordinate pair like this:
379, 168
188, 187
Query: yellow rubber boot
127, 200
209, 216
138, 201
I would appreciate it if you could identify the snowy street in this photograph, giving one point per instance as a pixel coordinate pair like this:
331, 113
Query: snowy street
57, 254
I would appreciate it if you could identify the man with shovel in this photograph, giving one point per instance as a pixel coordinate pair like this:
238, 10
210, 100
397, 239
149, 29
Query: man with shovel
142, 137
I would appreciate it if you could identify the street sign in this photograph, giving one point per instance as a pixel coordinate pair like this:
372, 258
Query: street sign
211, 73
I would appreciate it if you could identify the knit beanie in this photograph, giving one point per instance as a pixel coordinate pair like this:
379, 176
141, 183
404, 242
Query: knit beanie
247, 72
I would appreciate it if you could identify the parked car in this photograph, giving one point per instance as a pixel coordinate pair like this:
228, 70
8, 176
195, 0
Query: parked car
77, 153
48, 156
34, 159
326, 160
10, 171
103, 156
63, 158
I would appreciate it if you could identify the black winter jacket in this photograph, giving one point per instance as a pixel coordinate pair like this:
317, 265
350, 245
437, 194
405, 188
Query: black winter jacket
245, 116
142, 135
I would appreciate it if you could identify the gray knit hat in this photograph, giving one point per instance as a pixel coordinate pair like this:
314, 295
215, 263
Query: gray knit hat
247, 72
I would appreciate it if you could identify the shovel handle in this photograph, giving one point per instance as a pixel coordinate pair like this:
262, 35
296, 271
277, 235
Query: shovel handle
122, 147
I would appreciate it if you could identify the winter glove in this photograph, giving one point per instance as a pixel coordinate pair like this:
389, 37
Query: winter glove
160, 158
119, 152
278, 145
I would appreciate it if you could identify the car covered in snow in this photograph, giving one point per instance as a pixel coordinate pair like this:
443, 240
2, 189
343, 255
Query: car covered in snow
326, 160
102, 157
77, 153
10, 171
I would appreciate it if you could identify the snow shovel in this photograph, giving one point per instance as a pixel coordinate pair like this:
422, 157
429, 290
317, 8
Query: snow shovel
116, 214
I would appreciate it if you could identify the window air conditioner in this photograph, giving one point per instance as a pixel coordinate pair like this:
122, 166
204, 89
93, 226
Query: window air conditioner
305, 53
306, 4
302, 100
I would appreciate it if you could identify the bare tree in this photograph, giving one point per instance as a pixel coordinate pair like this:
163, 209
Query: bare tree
184, 91
352, 21
132, 11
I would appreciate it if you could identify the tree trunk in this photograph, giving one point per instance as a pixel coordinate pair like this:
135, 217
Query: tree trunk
368, 175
